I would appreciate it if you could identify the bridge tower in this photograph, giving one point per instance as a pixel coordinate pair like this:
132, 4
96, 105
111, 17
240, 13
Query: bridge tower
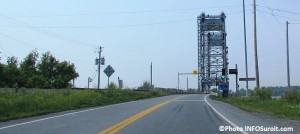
212, 51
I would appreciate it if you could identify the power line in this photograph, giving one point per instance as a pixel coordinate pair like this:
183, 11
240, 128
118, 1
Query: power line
280, 24
280, 10
273, 14
29, 44
56, 35
113, 26
275, 32
6, 51
129, 12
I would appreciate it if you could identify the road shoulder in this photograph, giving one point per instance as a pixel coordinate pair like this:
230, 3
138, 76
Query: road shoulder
244, 118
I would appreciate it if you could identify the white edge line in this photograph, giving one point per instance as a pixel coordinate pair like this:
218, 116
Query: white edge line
221, 115
29, 122
24, 123
189, 100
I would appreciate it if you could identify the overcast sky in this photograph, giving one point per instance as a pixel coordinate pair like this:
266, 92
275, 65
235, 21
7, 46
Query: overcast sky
135, 33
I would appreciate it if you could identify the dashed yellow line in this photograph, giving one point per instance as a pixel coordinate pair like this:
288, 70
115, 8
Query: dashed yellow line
116, 128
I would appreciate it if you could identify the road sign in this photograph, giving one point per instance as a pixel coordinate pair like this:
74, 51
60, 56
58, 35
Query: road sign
195, 72
109, 71
223, 87
233, 71
247, 79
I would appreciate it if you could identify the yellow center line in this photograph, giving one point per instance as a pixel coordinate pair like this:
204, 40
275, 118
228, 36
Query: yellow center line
116, 128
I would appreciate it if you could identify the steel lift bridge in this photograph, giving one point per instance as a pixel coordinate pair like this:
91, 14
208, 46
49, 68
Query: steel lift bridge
212, 51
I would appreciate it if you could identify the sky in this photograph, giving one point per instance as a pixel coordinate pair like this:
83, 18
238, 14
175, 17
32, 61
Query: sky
135, 33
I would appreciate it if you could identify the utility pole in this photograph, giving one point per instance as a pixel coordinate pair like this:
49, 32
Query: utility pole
245, 39
287, 55
99, 64
255, 47
236, 81
151, 75
187, 83
89, 80
74, 83
178, 81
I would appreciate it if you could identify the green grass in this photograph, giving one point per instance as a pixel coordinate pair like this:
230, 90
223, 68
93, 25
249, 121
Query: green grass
279, 108
30, 103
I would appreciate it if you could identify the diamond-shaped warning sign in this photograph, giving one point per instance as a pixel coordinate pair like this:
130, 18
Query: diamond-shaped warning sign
109, 71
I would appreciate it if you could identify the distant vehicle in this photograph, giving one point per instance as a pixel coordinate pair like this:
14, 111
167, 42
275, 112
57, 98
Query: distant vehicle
207, 92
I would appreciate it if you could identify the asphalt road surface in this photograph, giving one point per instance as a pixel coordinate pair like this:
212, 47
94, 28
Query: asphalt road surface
175, 114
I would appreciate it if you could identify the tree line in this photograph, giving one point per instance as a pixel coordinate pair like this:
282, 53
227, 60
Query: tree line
46, 73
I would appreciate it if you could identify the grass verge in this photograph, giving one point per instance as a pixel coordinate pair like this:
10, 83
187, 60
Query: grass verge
25, 104
279, 108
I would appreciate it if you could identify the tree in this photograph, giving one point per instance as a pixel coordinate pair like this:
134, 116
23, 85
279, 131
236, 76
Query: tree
28, 70
12, 72
2, 75
146, 85
64, 74
55, 74
48, 73
47, 70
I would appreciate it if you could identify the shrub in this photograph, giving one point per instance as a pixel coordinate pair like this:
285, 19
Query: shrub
292, 97
112, 86
146, 85
262, 94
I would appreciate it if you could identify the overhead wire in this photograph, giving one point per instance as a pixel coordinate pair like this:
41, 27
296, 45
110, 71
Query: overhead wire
273, 14
129, 12
281, 24
38, 29
29, 44
60, 36
49, 33
280, 10
5, 51
112, 26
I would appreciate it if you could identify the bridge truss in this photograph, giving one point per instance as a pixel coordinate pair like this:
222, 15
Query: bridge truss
212, 51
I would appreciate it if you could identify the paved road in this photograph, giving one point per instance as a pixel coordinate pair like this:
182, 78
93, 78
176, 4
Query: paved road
187, 115
175, 114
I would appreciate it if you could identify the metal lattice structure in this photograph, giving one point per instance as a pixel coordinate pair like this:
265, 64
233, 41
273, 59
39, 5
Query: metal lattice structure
212, 50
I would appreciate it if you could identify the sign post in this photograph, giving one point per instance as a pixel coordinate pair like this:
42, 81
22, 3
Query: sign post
108, 71
225, 89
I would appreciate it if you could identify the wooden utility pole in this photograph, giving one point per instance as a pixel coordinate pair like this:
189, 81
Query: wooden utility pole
287, 55
255, 48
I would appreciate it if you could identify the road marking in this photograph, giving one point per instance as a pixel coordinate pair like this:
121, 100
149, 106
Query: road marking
68, 114
29, 122
119, 126
189, 100
221, 115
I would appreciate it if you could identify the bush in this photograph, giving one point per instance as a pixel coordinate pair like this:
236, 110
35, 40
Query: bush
146, 86
14, 105
292, 97
262, 94
112, 86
